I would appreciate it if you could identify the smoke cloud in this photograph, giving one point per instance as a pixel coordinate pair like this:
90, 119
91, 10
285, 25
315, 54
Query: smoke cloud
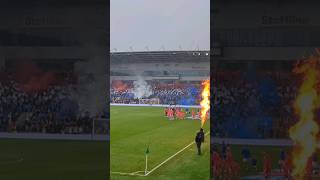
141, 88
31, 78
91, 90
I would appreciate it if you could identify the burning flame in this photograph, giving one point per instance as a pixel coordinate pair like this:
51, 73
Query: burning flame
205, 102
304, 132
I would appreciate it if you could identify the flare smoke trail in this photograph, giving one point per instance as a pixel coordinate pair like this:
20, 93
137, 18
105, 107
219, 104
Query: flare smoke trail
141, 88
31, 78
91, 90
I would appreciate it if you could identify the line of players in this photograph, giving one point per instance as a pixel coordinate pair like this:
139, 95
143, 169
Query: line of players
173, 113
224, 166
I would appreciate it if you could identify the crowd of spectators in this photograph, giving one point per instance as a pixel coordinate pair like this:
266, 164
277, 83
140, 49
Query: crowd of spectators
257, 105
168, 93
50, 110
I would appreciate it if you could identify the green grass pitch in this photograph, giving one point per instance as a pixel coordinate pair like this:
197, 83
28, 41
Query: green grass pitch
53, 160
134, 128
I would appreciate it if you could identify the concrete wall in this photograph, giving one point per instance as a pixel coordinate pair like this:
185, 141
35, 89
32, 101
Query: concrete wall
170, 66
66, 24
269, 30
133, 78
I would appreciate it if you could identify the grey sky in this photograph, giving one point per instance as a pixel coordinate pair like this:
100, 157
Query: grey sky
157, 23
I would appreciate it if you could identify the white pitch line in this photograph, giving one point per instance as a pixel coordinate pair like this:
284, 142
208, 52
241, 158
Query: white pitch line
130, 174
159, 165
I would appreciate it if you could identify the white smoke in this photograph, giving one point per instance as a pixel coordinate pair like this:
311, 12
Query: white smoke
141, 89
91, 90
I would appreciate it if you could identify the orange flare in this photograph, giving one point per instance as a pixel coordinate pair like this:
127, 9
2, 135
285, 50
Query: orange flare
205, 102
304, 132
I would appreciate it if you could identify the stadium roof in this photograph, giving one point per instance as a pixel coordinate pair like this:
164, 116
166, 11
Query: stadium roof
159, 56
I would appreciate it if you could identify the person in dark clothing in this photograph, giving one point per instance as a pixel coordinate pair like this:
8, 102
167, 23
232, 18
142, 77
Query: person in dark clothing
199, 139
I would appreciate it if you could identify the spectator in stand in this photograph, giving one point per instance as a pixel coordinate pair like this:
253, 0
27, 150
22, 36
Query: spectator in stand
167, 93
242, 98
40, 111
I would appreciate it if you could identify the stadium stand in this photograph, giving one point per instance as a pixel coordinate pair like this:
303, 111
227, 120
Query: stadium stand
260, 103
49, 110
176, 93
174, 77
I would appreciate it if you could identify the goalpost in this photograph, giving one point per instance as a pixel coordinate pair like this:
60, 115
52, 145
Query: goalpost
149, 101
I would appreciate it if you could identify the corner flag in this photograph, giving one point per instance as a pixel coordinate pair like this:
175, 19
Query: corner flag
147, 150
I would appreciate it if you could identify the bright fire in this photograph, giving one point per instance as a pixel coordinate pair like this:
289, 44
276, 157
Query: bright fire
304, 132
205, 102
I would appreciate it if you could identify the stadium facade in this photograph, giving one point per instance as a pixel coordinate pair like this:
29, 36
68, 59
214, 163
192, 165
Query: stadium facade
51, 33
271, 30
160, 65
